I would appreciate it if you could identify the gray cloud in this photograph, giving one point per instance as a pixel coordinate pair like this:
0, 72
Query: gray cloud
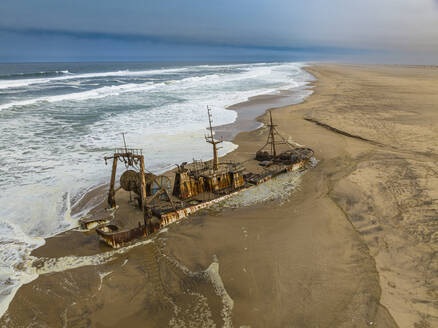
390, 25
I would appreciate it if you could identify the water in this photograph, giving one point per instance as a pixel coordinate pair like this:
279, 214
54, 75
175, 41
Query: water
58, 120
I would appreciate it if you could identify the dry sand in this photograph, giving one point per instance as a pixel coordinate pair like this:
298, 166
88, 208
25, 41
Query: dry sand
354, 245
391, 195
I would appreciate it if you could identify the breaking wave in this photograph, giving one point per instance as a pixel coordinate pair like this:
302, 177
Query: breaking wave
35, 74
81, 96
10, 83
115, 90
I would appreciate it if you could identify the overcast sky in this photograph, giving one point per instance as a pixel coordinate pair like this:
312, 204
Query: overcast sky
55, 29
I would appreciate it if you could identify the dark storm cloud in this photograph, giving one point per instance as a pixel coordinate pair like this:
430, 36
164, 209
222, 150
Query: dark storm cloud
283, 25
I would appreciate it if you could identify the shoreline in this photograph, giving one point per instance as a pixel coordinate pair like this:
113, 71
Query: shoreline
336, 247
251, 111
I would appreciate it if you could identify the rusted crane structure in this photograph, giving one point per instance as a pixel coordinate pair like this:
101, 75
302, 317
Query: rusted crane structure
131, 158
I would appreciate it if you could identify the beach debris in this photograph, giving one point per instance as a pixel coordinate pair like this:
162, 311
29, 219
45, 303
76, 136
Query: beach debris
89, 223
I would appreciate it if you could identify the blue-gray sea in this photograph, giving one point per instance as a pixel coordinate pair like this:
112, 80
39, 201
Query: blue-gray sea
58, 121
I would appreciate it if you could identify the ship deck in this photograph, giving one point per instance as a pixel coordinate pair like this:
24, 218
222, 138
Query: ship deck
128, 221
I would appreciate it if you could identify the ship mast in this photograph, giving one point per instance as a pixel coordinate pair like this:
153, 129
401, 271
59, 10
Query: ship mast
211, 140
271, 136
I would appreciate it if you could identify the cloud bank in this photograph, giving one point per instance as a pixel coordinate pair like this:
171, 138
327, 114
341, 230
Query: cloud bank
405, 27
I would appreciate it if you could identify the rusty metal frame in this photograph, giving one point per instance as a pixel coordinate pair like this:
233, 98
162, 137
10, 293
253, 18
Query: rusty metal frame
131, 157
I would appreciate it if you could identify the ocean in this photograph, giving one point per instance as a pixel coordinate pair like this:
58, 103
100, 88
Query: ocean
58, 121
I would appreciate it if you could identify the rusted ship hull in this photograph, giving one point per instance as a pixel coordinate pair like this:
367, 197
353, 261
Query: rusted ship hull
196, 186
118, 239
121, 238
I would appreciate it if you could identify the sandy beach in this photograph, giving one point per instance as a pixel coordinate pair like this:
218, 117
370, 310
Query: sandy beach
352, 242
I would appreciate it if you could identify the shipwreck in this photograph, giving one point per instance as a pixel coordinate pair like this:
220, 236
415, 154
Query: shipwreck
161, 200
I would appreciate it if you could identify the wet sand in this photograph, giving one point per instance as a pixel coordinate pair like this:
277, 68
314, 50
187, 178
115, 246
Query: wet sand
250, 110
353, 245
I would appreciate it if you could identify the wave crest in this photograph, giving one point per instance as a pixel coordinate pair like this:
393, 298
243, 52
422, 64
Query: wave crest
35, 74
